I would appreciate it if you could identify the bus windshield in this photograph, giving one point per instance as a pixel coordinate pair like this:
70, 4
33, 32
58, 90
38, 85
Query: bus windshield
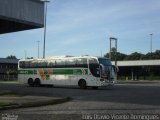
107, 70
105, 62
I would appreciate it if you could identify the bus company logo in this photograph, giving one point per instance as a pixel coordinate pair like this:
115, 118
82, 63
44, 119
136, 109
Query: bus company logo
23, 72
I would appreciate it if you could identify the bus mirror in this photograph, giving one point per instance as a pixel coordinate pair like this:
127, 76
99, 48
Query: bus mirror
115, 68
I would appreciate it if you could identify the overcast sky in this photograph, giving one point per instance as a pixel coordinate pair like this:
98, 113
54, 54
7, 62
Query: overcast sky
83, 27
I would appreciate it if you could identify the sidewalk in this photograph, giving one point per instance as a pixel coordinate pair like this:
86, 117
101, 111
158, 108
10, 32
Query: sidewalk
30, 101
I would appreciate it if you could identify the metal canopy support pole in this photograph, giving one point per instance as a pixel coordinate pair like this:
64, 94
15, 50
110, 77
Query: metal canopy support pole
45, 23
113, 50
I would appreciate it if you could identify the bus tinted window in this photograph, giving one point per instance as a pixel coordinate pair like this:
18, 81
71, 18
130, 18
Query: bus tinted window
93, 61
33, 64
27, 64
82, 62
70, 63
22, 64
94, 67
60, 63
51, 64
42, 64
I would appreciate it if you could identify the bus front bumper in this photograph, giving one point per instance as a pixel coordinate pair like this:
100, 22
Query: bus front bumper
107, 83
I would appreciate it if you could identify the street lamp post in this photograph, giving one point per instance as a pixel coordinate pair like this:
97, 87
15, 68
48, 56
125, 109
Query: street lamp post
38, 48
151, 46
45, 23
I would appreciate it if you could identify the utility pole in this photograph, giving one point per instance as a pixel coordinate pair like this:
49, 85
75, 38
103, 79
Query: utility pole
151, 45
25, 54
38, 47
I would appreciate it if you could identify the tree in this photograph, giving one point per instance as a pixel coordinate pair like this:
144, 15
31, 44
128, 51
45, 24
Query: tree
30, 58
134, 56
120, 56
11, 57
156, 54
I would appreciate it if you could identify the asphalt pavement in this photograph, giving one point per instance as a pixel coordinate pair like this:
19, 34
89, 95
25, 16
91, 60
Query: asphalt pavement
125, 99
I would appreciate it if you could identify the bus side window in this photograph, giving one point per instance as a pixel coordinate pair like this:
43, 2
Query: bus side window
60, 63
42, 64
51, 64
22, 64
82, 62
27, 64
33, 64
70, 63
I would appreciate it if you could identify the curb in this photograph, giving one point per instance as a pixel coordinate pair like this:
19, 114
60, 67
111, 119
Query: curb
45, 102
137, 82
10, 107
6, 92
37, 104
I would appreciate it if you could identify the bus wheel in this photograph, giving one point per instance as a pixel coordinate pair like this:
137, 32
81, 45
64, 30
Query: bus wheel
30, 82
37, 82
82, 84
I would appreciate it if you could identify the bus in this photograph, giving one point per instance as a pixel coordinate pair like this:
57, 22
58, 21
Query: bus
83, 71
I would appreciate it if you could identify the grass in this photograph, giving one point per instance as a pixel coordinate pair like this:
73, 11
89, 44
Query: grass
2, 104
11, 81
9, 94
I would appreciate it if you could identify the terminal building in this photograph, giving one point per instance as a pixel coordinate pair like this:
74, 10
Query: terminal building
19, 15
139, 70
8, 69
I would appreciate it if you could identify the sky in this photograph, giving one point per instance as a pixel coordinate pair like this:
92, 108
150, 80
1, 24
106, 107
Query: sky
83, 27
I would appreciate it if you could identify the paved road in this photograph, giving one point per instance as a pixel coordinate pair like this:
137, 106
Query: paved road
124, 101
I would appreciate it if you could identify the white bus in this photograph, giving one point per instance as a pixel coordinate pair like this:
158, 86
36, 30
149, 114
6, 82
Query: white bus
84, 71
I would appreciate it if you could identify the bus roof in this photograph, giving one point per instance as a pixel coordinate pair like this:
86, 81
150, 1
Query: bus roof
64, 57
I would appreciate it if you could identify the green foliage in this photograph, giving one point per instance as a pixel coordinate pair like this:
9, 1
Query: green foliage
135, 56
120, 56
5, 104
11, 57
30, 58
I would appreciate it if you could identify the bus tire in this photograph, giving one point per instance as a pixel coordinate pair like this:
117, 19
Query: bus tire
37, 82
30, 82
82, 84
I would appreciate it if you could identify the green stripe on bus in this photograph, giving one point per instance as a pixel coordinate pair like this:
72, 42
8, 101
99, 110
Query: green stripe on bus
56, 71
